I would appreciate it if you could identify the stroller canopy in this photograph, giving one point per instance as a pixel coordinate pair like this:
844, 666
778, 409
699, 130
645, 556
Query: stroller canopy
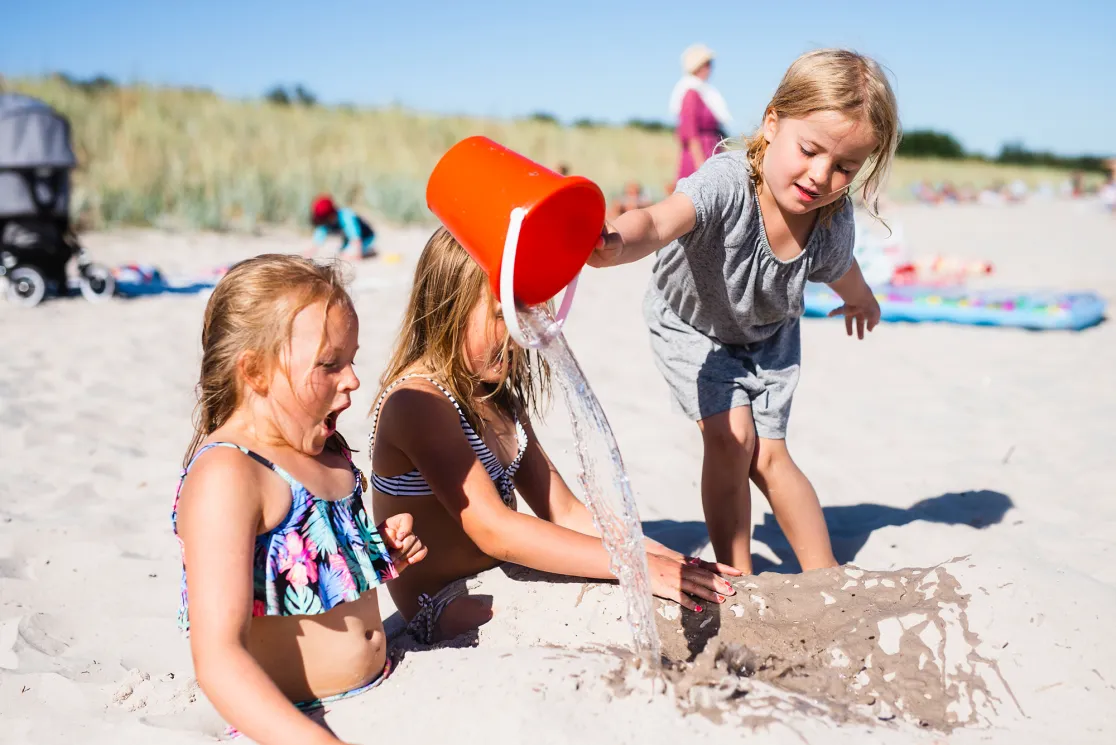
33, 135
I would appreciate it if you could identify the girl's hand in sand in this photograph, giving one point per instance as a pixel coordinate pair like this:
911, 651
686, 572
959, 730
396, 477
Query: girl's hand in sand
654, 547
678, 581
713, 566
865, 314
404, 545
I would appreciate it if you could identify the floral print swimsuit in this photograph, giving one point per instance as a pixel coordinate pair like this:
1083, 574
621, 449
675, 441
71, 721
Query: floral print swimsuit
324, 553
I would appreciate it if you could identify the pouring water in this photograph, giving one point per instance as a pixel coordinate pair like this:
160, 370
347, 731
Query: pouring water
604, 480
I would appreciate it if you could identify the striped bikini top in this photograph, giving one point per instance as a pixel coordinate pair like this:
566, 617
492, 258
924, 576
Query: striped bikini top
414, 485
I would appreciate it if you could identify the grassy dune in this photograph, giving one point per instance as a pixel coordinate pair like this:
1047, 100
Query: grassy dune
189, 159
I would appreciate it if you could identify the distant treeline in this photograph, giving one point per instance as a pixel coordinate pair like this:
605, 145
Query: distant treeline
926, 143
919, 143
645, 125
279, 95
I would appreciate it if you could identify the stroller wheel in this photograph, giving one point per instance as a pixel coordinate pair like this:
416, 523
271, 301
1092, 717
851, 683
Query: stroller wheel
97, 283
26, 286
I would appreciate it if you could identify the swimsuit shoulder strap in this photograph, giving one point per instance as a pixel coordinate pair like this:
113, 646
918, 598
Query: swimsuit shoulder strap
250, 453
390, 388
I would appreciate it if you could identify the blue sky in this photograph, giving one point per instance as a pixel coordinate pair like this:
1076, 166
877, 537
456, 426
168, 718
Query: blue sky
988, 72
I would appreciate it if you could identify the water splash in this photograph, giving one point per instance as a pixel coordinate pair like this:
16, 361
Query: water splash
610, 500
860, 645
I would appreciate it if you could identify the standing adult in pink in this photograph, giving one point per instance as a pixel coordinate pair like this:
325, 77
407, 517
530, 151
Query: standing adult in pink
703, 116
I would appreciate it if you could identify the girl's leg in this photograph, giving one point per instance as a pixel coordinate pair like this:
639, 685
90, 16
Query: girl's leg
794, 502
464, 614
449, 613
730, 441
368, 248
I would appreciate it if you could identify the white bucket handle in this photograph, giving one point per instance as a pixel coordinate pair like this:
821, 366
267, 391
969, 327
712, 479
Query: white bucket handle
507, 272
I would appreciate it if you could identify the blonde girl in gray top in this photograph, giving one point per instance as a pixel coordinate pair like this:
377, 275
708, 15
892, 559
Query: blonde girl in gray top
736, 243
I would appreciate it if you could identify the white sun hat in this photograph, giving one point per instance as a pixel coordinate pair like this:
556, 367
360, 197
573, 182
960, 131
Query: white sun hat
694, 57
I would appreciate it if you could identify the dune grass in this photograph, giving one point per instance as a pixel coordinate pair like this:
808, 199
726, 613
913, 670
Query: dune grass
192, 160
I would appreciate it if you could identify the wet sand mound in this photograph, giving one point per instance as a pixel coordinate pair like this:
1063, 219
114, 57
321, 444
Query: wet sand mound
858, 644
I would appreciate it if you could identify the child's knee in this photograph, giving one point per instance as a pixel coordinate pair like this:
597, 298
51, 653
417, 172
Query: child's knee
728, 444
770, 456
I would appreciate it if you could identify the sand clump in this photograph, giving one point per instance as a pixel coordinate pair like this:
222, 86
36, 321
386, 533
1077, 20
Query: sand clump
857, 644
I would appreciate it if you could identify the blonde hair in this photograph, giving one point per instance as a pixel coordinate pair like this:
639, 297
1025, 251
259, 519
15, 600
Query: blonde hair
252, 309
843, 81
447, 287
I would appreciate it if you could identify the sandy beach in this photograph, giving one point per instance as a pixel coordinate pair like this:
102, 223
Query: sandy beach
966, 473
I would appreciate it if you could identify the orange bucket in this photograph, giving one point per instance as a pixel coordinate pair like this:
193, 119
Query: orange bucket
493, 200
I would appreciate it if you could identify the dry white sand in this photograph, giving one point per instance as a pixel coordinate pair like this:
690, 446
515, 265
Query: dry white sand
926, 442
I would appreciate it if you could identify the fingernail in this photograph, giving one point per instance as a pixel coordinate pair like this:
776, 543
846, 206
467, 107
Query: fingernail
697, 609
719, 596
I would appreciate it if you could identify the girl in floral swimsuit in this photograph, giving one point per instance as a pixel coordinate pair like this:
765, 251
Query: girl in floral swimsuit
280, 561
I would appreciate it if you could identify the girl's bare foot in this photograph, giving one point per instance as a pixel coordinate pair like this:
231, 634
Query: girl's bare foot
464, 614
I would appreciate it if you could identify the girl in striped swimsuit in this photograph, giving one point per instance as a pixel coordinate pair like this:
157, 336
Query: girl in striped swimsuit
452, 443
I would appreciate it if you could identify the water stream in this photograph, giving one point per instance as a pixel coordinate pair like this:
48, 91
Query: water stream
604, 481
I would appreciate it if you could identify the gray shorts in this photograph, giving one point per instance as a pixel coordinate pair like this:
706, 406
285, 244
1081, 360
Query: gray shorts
707, 377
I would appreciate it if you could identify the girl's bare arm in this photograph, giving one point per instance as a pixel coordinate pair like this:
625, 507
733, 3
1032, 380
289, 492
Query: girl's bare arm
426, 428
641, 232
550, 497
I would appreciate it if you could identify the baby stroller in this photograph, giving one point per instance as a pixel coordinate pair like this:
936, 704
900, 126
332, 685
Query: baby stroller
36, 241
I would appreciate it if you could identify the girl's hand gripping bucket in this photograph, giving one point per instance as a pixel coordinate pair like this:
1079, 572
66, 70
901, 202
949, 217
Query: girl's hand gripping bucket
531, 229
